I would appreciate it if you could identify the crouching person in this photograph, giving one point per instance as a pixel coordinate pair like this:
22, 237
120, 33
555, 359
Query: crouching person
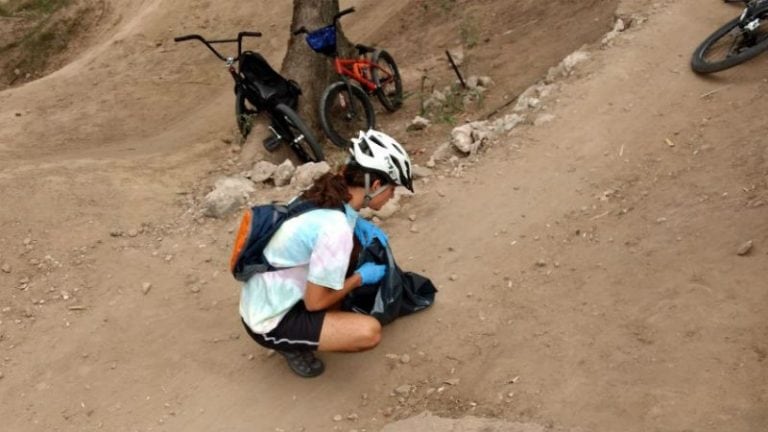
295, 309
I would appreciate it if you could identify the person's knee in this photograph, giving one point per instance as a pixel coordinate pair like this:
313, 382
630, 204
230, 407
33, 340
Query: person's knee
371, 335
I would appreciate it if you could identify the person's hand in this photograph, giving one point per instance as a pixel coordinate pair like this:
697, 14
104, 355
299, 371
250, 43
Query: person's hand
371, 273
366, 231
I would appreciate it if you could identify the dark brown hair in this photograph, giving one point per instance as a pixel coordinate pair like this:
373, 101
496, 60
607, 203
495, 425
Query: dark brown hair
330, 189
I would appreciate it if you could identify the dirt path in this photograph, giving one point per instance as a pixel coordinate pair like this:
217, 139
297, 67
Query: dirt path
596, 282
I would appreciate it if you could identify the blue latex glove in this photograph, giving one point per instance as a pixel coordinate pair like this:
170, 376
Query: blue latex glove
366, 231
371, 273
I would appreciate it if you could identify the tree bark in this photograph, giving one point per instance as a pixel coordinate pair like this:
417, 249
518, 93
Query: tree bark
313, 71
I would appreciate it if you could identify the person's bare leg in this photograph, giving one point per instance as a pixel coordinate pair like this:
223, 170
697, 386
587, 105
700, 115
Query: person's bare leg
347, 331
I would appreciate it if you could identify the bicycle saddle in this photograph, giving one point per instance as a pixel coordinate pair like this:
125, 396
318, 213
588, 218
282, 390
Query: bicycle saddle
364, 49
268, 82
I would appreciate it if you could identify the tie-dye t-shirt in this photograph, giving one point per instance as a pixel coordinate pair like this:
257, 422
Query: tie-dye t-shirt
315, 247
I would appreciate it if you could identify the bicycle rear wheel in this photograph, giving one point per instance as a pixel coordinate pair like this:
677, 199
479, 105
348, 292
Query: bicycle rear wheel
343, 115
244, 114
389, 85
294, 132
731, 45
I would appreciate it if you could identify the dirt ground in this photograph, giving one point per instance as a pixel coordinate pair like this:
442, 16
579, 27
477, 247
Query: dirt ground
588, 269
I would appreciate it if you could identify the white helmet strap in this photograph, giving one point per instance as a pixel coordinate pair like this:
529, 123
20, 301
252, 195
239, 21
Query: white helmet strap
368, 195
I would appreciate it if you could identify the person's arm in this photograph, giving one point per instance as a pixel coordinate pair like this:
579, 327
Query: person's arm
318, 297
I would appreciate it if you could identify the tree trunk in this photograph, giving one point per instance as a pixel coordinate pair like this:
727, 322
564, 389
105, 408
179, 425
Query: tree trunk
313, 71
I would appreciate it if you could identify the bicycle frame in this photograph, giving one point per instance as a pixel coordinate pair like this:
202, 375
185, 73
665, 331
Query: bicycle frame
360, 71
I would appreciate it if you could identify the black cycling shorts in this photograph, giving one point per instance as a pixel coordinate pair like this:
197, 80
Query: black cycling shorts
299, 330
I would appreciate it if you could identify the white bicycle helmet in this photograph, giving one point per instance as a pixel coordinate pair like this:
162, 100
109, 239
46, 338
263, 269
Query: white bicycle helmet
379, 152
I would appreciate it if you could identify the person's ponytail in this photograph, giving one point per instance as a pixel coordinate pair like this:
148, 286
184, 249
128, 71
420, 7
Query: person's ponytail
328, 191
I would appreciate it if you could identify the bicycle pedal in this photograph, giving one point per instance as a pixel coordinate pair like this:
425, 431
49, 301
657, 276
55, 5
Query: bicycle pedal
271, 143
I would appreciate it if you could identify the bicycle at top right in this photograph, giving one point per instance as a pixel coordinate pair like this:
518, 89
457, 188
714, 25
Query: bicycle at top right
739, 40
345, 106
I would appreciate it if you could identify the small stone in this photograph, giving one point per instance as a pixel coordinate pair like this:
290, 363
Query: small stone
1, 375
338, 418
6, 268
745, 248
145, 287
452, 381
353, 417
411, 217
27, 241
541, 263
543, 119
195, 289
133, 233
116, 233
414, 229
403, 390
453, 277
420, 172
419, 123
405, 359
484, 81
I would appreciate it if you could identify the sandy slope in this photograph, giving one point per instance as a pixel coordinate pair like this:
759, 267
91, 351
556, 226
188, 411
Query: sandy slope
642, 317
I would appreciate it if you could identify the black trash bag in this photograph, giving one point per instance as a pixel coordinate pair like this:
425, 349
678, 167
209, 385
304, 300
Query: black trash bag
398, 294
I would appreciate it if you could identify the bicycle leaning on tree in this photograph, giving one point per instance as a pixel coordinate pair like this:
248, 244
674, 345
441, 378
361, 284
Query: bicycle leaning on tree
259, 88
345, 108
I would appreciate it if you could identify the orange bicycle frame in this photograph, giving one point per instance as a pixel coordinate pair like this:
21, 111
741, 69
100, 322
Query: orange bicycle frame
360, 71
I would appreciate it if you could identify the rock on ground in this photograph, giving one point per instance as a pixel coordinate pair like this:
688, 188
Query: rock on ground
262, 171
284, 173
227, 196
306, 174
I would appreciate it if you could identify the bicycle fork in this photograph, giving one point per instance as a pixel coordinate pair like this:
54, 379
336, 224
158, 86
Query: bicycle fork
347, 105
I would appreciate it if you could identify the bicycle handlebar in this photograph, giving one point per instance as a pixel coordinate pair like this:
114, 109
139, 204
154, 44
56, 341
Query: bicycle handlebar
336, 17
342, 13
248, 33
186, 38
208, 43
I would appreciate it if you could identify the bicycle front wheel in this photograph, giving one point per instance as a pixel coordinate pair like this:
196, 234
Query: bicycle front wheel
731, 45
294, 132
344, 114
386, 76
